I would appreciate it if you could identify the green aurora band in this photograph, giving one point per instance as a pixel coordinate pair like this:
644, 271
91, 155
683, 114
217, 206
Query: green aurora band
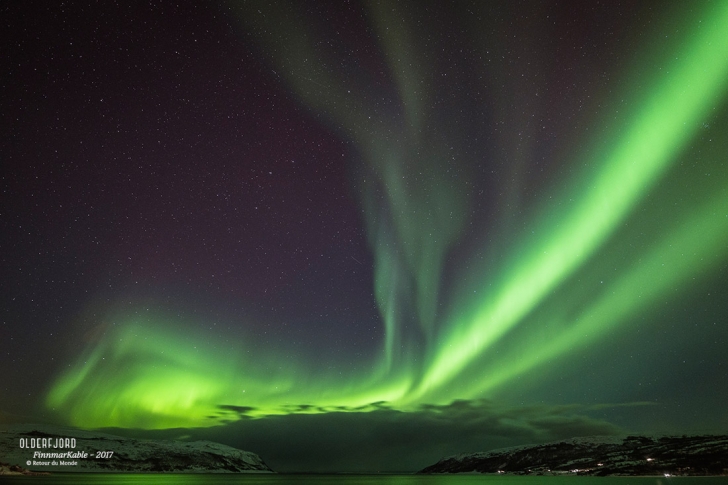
144, 374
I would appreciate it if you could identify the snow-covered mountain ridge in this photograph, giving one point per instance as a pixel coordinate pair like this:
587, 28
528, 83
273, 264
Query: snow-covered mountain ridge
631, 455
46, 448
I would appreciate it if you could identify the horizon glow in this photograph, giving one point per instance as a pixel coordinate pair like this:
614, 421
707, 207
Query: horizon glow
147, 374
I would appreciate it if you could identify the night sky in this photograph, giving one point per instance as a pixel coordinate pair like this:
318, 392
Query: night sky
361, 236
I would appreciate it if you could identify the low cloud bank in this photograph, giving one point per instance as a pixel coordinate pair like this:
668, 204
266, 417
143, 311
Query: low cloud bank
387, 440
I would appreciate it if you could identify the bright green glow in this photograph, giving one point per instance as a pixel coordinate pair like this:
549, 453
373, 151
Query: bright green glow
664, 124
167, 380
688, 251
148, 374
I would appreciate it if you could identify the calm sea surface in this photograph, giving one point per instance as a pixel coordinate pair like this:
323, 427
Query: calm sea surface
134, 479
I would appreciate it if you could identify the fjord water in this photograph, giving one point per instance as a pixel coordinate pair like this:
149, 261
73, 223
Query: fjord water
279, 479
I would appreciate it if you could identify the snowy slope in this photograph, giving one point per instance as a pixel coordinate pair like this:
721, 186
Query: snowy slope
633, 455
23, 444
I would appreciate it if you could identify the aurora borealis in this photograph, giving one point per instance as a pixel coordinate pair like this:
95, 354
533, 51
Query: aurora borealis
360, 236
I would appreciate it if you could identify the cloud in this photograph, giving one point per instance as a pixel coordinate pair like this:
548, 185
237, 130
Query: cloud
387, 440
226, 410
